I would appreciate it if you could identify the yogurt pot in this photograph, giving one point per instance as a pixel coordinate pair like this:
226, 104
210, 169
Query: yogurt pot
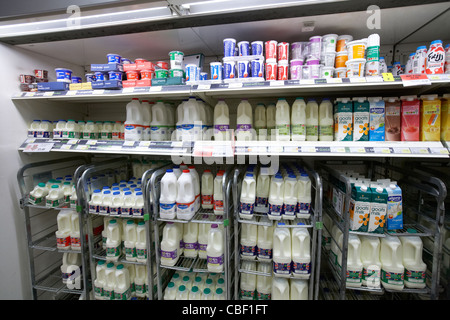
132, 75
257, 48
140, 60
126, 61
90, 77
356, 49
115, 75
147, 74
229, 47
329, 43
315, 46
340, 72
176, 73
355, 68
296, 69
100, 76
176, 59
341, 42
114, 58
163, 65
328, 59
76, 79
63, 75
326, 72
297, 51
341, 59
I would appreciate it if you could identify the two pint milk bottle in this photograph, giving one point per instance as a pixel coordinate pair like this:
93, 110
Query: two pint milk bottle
282, 251
134, 121
276, 197
248, 197
113, 241
170, 244
207, 189
264, 242
215, 249
248, 241
218, 194
301, 253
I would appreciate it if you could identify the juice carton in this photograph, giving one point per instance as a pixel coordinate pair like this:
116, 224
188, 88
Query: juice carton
361, 118
343, 120
445, 117
378, 208
377, 111
430, 122
410, 118
360, 207
394, 206
393, 119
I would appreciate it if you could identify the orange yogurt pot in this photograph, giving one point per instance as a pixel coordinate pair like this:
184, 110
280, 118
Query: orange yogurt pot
341, 59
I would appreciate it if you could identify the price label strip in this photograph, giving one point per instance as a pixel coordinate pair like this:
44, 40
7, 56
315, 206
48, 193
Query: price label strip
38, 147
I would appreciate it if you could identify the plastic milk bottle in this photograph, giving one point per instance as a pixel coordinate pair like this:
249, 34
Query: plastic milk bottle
265, 241
260, 122
185, 196
280, 289
370, 258
290, 197
244, 128
134, 120
298, 289
207, 189
276, 197
283, 121
170, 244
168, 197
392, 269
221, 121
248, 197
415, 268
282, 251
326, 121
354, 264
248, 281
304, 196
298, 120
271, 121
263, 282
215, 249
218, 194
249, 235
312, 120
301, 253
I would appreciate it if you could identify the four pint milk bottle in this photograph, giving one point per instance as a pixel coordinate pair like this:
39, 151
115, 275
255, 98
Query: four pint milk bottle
185, 196
260, 122
298, 120
312, 120
168, 197
221, 121
215, 249
370, 258
207, 189
301, 253
244, 127
326, 122
354, 264
218, 194
283, 120
264, 243
262, 190
134, 121
248, 241
282, 251
271, 122
415, 268
141, 242
276, 197
290, 197
392, 269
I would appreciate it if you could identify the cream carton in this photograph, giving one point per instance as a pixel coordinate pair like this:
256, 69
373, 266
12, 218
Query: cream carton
378, 208
359, 210
445, 117
393, 119
361, 118
377, 112
394, 206
343, 120
430, 118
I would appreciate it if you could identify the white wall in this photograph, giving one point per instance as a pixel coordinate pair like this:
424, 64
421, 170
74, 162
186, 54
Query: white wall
14, 274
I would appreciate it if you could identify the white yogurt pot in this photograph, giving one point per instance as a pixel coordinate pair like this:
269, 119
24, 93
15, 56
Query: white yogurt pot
355, 68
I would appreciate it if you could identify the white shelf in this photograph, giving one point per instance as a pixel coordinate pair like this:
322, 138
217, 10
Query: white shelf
211, 149
236, 88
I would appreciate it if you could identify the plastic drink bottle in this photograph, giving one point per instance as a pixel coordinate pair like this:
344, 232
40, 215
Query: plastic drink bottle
282, 251
290, 197
190, 240
203, 231
301, 253
185, 196
244, 128
159, 124
265, 241
64, 223
200, 124
260, 122
170, 244
196, 181
271, 121
370, 258
207, 294
392, 269
34, 128
122, 291
170, 292
104, 207
249, 235
190, 117
75, 240
46, 129
147, 119
218, 194
128, 202
248, 197
219, 294
262, 190
298, 289
96, 201
58, 129
195, 293
263, 282
215, 249
283, 121
141, 242
354, 264
113, 241
276, 197
134, 121
130, 241
248, 281
326, 120
106, 130
55, 197
115, 208
139, 280
415, 268
100, 279
304, 196
298, 120
168, 197
110, 283
138, 206
182, 293
38, 194
207, 189
312, 120
71, 129
280, 289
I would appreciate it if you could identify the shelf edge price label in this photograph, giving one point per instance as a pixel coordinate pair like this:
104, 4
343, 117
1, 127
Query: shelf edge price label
204, 87
415, 80
388, 77
38, 147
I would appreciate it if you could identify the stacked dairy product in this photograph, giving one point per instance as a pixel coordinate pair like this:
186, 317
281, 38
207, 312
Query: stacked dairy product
189, 285
117, 281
